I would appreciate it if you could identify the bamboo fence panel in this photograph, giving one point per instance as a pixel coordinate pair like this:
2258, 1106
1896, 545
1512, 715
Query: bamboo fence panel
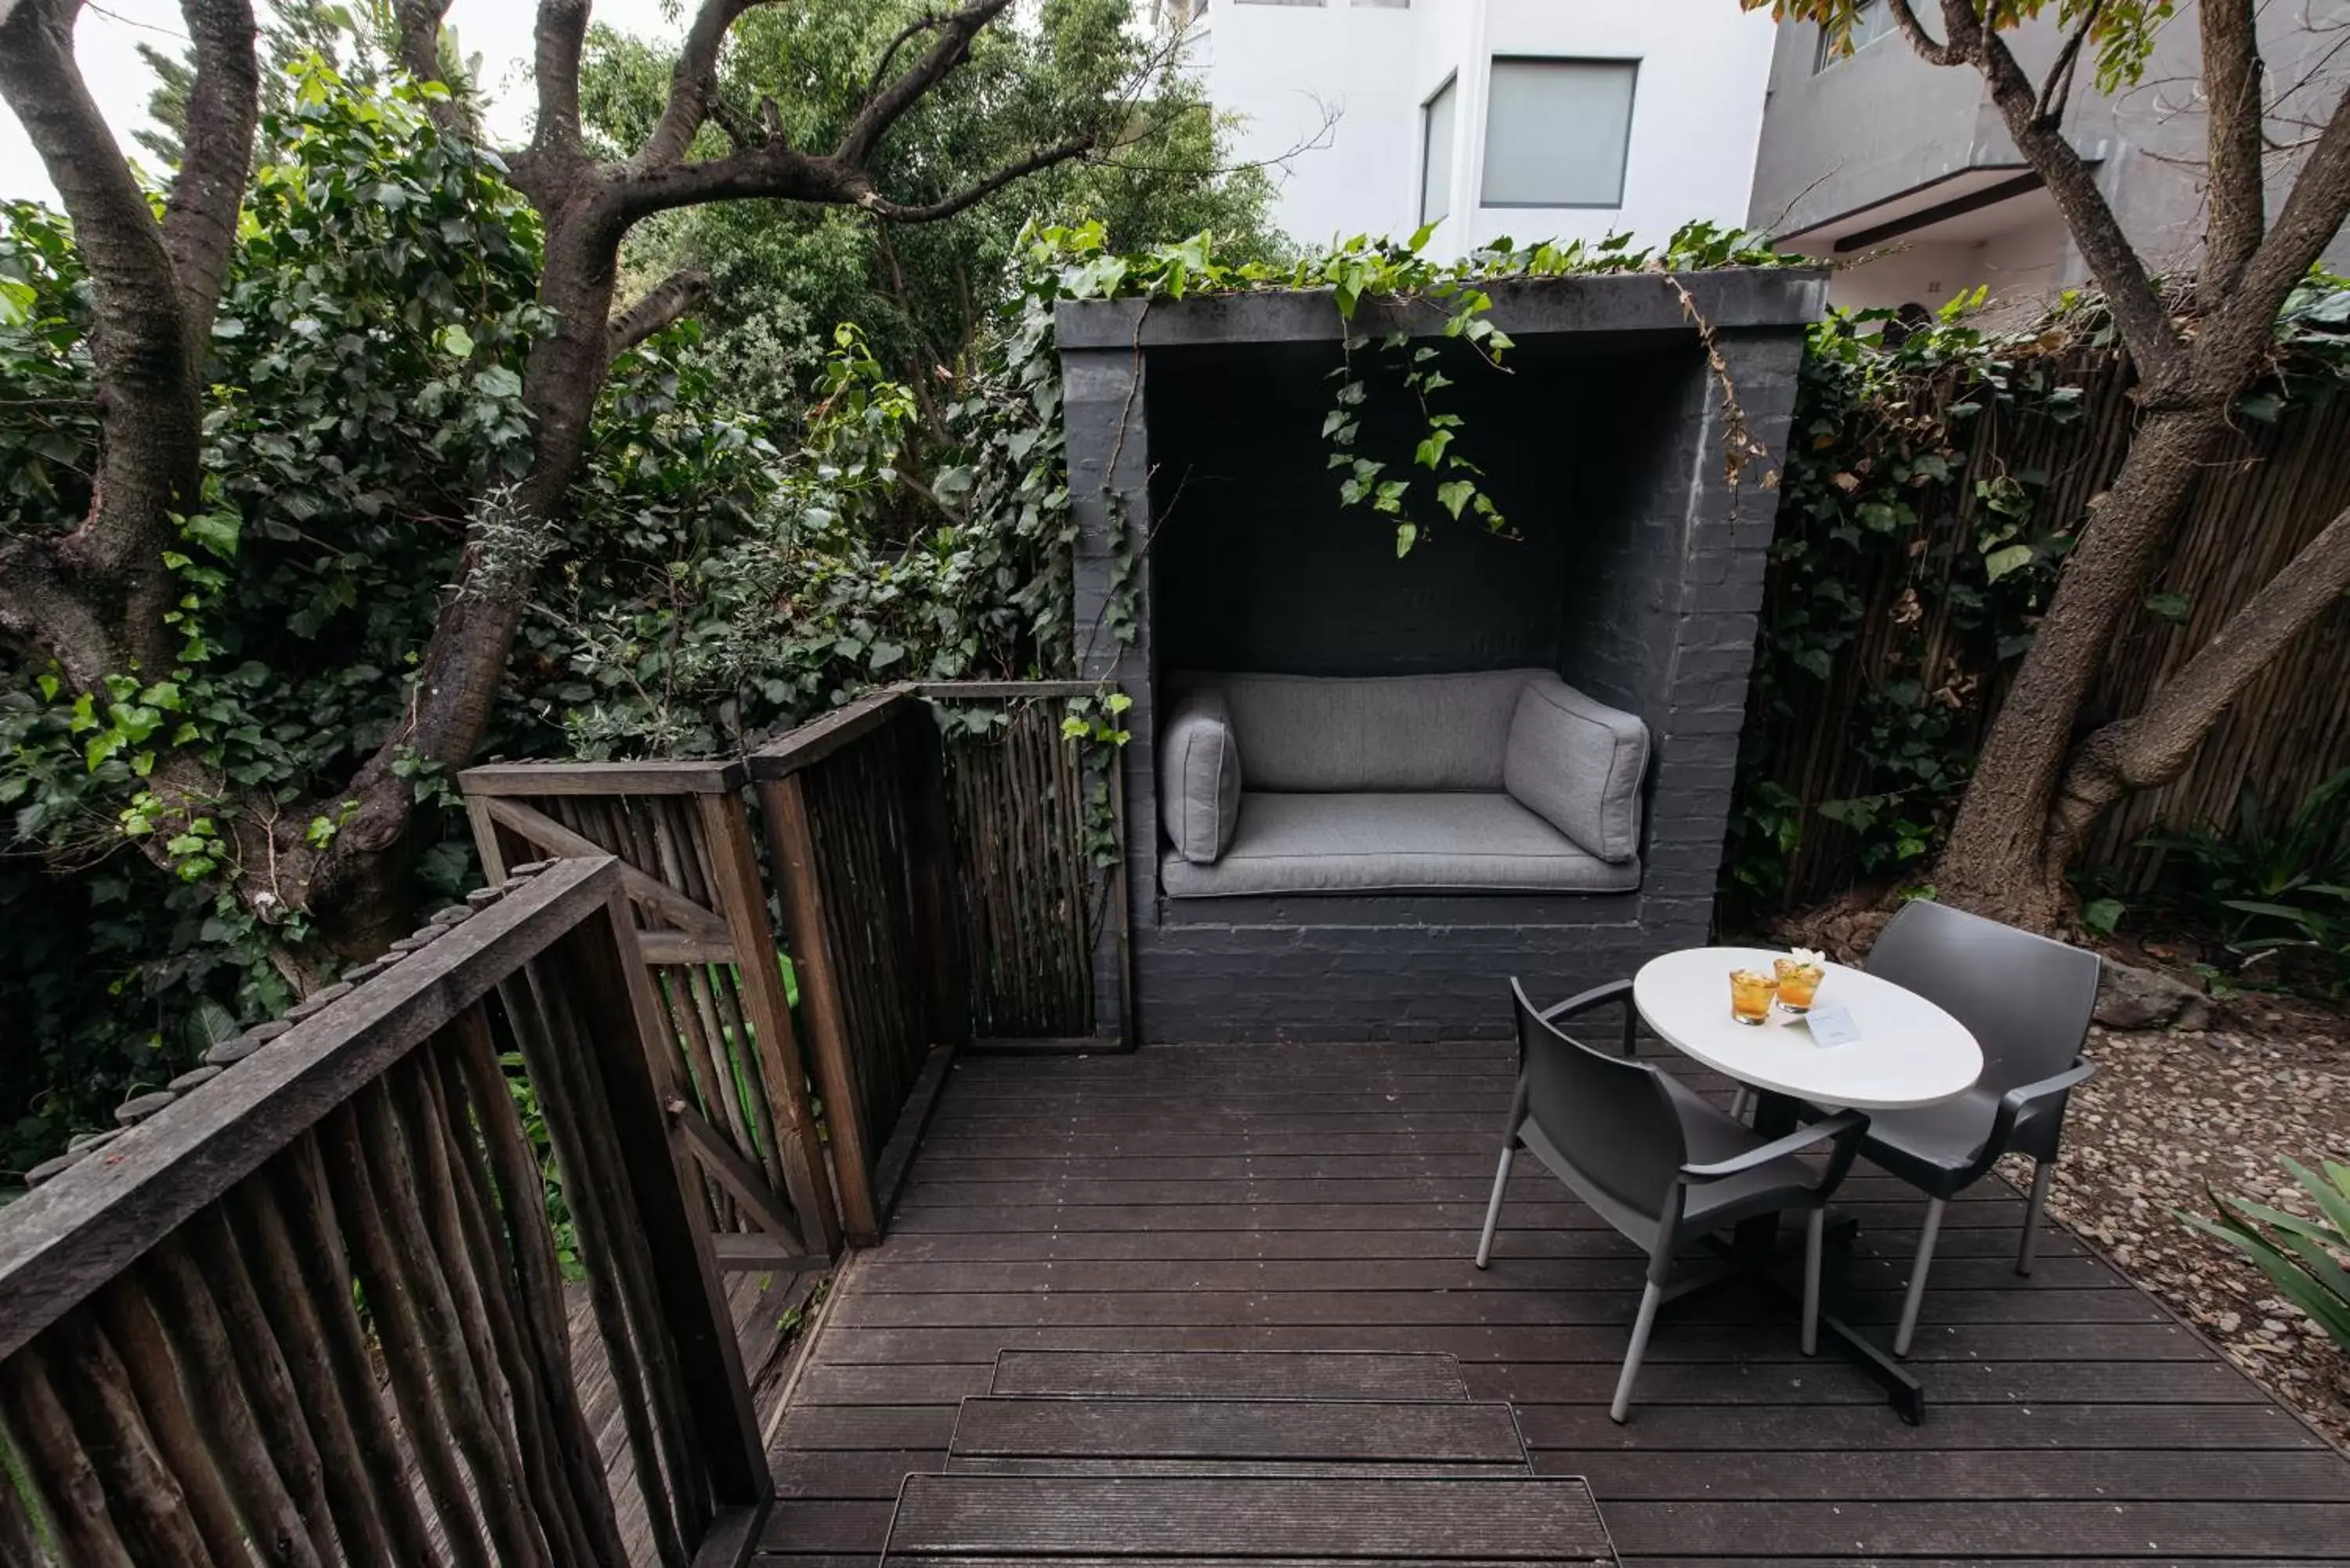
1016, 799
2275, 488
310, 1311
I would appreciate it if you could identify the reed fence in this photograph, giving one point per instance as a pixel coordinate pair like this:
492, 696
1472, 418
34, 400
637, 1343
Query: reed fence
2271, 493
310, 1309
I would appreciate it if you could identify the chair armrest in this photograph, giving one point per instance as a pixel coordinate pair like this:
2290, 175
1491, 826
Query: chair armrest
1845, 1125
2026, 1097
1596, 997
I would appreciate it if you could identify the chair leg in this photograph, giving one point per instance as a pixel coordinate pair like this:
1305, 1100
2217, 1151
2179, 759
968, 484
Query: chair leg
1493, 1208
1918, 1268
2042, 1171
1651, 1298
1815, 1235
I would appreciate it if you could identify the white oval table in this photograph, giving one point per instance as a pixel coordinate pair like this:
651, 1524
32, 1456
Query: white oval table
1910, 1051
1906, 1052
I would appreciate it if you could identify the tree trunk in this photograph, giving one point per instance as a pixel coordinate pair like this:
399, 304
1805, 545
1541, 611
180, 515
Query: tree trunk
2003, 859
359, 891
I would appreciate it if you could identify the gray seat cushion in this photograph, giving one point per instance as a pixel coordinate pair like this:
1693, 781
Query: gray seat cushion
1394, 843
1579, 764
1199, 777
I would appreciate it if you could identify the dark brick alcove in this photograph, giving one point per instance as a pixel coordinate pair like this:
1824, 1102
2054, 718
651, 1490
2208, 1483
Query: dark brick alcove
1636, 573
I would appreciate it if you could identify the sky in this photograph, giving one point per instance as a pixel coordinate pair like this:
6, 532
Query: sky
107, 36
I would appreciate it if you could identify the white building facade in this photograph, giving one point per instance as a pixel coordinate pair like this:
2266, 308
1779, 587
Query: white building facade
1529, 118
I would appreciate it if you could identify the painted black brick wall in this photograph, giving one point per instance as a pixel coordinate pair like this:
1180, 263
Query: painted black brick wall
1654, 612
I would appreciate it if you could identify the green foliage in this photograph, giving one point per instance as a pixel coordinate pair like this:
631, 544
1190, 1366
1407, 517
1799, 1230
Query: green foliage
924, 293
2308, 1260
1395, 276
1878, 447
346, 436
2273, 886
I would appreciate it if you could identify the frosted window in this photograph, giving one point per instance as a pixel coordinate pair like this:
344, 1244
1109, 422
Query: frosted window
1436, 155
1556, 132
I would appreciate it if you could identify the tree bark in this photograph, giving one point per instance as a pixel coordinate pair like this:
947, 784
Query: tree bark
1996, 861
2154, 747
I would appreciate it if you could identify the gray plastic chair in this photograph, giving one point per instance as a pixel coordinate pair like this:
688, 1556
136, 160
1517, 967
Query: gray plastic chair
1654, 1160
2028, 1001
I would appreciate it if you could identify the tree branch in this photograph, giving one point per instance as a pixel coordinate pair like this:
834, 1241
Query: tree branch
417, 24
1044, 158
557, 40
1933, 52
2156, 745
2245, 325
2145, 328
693, 84
2232, 115
216, 154
2057, 88
885, 108
665, 303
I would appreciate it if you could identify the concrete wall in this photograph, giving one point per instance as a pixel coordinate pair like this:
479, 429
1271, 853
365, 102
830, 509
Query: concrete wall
1279, 64
1657, 613
1885, 123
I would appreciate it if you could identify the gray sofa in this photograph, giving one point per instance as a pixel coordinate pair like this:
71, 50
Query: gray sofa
1501, 781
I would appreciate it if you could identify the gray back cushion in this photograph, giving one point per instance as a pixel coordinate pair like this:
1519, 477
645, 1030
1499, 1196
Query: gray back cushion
1199, 777
1578, 763
1384, 732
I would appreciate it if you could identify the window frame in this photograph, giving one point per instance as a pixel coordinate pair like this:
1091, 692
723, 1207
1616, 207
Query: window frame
1451, 84
1623, 164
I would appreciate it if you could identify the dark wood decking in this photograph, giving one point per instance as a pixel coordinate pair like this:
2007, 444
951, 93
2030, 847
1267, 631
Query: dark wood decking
1304, 1198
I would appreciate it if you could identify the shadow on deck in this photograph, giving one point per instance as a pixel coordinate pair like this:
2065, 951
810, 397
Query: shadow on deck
1327, 1198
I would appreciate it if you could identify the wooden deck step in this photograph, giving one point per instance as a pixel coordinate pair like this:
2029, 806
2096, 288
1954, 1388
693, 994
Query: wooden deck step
1093, 1436
1134, 1521
1233, 1373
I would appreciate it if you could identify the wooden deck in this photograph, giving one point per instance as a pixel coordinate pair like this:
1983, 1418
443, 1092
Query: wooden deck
1299, 1197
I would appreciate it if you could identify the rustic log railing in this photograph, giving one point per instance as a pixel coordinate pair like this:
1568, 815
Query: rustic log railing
692, 879
311, 1311
931, 893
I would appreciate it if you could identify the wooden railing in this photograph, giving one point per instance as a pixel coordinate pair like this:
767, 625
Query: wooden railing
313, 1311
692, 880
935, 893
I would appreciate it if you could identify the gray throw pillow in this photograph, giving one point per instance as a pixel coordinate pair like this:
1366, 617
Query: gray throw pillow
1200, 777
1577, 764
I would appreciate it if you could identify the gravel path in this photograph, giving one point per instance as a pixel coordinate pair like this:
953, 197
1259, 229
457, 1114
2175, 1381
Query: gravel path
2167, 1112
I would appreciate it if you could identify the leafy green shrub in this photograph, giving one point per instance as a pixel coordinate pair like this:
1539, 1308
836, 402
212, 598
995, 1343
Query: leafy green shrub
2272, 886
2307, 1259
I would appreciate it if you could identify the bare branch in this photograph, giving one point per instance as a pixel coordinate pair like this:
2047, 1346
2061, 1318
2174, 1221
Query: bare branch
693, 84
665, 303
2153, 343
1044, 158
2231, 91
885, 108
223, 103
2057, 88
559, 37
2240, 332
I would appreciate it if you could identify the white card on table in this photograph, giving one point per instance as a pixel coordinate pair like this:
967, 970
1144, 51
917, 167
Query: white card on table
1832, 1027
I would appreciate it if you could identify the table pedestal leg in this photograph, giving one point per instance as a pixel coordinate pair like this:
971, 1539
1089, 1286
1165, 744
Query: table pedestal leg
1754, 1248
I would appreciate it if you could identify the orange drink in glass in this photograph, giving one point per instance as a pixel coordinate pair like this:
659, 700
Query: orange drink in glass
1798, 978
1750, 991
